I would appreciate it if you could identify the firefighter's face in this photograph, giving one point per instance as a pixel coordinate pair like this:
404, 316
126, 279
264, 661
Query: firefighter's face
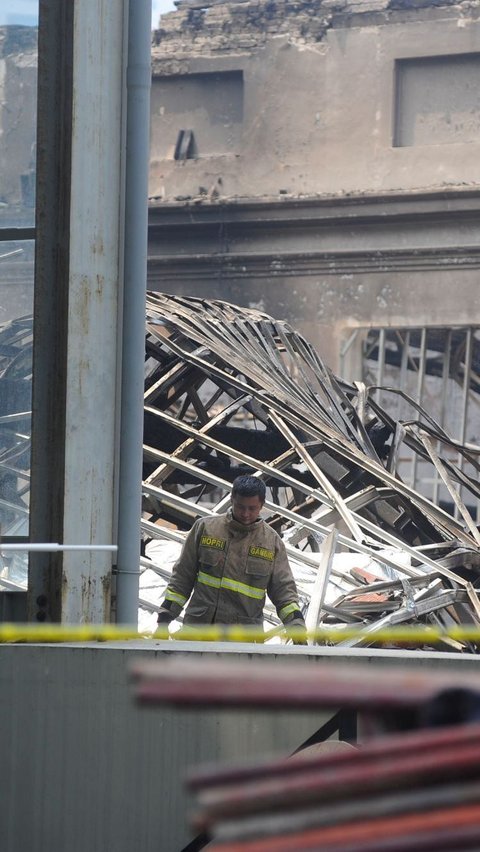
246, 509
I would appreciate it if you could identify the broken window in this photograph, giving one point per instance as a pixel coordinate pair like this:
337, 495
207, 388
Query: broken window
437, 369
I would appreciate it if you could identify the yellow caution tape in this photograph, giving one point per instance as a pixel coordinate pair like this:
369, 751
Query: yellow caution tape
406, 635
38, 633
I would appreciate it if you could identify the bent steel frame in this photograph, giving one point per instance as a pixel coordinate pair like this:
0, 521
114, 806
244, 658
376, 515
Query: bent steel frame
231, 390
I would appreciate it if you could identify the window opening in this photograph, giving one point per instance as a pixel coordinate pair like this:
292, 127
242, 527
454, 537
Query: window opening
185, 148
439, 370
18, 92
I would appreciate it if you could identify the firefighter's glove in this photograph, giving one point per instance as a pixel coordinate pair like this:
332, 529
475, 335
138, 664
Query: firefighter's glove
163, 620
296, 626
300, 637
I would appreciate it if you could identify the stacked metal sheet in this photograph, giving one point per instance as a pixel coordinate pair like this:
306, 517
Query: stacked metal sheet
231, 391
407, 792
414, 787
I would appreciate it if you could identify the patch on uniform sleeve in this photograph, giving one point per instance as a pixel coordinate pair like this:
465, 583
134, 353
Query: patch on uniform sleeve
262, 553
211, 541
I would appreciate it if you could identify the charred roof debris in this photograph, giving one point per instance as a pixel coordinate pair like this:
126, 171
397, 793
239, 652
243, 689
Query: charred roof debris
231, 390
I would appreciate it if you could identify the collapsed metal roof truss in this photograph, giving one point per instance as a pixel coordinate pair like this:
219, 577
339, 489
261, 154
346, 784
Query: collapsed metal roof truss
231, 391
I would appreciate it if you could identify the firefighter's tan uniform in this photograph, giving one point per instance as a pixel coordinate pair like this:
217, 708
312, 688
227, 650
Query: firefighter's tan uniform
230, 568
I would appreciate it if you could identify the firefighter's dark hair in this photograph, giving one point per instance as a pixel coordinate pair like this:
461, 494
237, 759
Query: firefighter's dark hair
248, 486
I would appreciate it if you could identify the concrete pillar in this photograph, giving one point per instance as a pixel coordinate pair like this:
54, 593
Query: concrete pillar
80, 192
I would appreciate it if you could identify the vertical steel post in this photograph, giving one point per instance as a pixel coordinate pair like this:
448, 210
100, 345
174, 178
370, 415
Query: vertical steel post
419, 395
381, 363
79, 218
465, 397
443, 404
404, 371
51, 298
135, 277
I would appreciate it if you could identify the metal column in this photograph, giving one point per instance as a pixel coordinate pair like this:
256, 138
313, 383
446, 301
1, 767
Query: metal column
80, 210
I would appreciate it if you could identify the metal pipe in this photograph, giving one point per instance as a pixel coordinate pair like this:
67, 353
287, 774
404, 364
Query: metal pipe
404, 372
133, 338
381, 363
443, 403
419, 396
45, 547
465, 397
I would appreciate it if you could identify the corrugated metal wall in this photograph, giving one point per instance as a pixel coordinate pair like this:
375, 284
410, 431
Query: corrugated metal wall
85, 770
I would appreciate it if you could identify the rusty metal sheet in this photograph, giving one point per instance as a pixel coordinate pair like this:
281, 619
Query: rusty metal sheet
416, 788
300, 685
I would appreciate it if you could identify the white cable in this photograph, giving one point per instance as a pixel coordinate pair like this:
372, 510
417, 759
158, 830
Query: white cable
55, 547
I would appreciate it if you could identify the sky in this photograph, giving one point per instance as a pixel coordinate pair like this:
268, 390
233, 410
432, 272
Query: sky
26, 11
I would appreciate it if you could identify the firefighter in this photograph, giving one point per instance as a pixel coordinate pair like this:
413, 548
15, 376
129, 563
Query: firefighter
230, 562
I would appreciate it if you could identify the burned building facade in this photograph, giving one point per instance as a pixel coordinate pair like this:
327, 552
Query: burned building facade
320, 161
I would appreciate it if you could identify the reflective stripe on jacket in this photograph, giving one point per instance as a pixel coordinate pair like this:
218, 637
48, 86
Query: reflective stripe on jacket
228, 568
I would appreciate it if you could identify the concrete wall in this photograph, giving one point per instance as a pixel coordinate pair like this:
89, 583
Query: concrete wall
87, 770
348, 195
327, 266
338, 98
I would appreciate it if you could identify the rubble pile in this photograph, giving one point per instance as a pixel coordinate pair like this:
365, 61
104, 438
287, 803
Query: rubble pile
231, 391
215, 26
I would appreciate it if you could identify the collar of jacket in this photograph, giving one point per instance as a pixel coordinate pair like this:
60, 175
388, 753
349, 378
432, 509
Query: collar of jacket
238, 528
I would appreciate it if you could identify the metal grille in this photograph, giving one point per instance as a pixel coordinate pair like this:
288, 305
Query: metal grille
437, 369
